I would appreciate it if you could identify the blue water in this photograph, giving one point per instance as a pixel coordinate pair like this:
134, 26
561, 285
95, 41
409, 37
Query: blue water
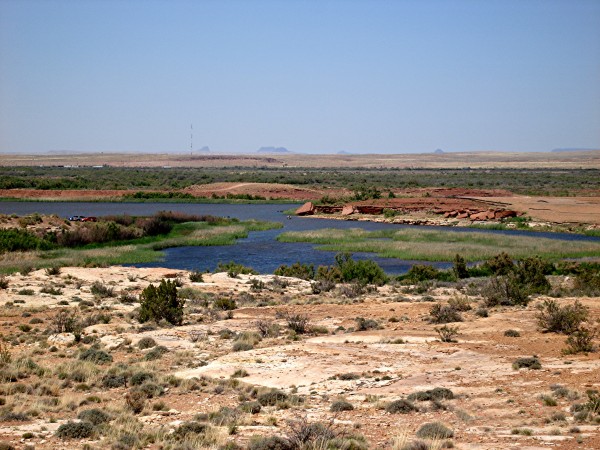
260, 250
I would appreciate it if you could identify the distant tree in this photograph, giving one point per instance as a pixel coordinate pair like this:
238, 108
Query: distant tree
157, 303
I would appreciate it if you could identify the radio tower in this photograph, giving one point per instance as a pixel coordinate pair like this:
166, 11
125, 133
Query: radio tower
191, 138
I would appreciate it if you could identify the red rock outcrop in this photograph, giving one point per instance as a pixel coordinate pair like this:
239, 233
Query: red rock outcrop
306, 210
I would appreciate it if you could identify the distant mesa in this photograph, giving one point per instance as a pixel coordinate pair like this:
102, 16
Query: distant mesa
273, 150
575, 150
205, 149
439, 151
343, 152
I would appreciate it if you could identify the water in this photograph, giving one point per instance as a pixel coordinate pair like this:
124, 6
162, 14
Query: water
260, 250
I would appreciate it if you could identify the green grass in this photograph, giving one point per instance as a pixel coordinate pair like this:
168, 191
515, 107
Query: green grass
433, 245
136, 251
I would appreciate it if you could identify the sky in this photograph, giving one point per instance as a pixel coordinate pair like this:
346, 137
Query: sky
310, 75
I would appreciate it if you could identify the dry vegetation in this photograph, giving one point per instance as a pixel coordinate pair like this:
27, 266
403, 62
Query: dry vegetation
264, 362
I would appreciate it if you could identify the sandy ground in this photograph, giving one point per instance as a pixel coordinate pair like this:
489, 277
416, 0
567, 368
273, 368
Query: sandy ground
483, 159
403, 356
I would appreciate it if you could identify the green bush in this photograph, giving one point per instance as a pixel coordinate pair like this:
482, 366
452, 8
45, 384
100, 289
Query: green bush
421, 272
434, 430
156, 353
75, 430
196, 277
146, 342
444, 314
224, 304
100, 290
234, 269
529, 363
296, 270
432, 394
297, 323
187, 428
505, 290
161, 303
512, 333
94, 416
364, 271
500, 264
400, 406
341, 405
459, 267
251, 407
580, 341
269, 443
556, 319
96, 356
363, 324
272, 397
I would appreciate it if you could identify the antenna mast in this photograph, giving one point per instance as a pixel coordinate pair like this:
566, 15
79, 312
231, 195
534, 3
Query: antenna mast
191, 138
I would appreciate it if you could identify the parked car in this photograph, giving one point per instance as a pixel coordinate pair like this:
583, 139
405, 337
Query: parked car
90, 219
76, 218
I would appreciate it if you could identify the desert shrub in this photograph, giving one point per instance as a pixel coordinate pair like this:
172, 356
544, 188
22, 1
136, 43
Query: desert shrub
251, 407
482, 312
112, 381
500, 264
296, 270
401, 406
3, 283
528, 363
512, 333
135, 401
460, 303
241, 346
593, 402
272, 397
322, 286
505, 290
161, 303
187, 428
459, 267
240, 373
304, 434
266, 328
233, 269
434, 430
26, 291
150, 390
348, 376
567, 319
94, 416
531, 272
14, 240
146, 342
421, 272
364, 271
100, 290
95, 355
587, 280
363, 324
432, 394
447, 334
341, 405
75, 430
52, 270
297, 323
224, 304
269, 443
156, 353
580, 341
139, 378
331, 274
7, 446
444, 314
196, 277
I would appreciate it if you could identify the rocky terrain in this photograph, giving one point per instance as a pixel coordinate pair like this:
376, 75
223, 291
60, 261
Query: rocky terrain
267, 356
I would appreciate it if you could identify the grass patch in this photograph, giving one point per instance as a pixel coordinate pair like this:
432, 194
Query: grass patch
433, 245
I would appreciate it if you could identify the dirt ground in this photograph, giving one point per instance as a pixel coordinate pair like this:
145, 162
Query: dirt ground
483, 159
402, 355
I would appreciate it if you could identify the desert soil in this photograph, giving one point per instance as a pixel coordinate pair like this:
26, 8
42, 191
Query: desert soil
403, 356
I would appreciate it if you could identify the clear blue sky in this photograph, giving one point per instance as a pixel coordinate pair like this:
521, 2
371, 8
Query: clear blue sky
311, 75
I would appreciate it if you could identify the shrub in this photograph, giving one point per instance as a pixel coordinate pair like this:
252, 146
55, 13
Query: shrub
187, 428
363, 324
432, 394
135, 400
512, 333
53, 270
567, 319
364, 271
161, 303
146, 342
94, 416
241, 346
65, 322
224, 304
156, 353
580, 341
267, 328
96, 356
100, 290
304, 434
447, 334
3, 283
529, 363
444, 314
139, 378
400, 406
434, 430
112, 381
322, 286
296, 270
272, 397
460, 303
269, 443
251, 407
233, 269
341, 405
422, 272
459, 267
196, 277
75, 430
505, 290
297, 323
500, 264
531, 272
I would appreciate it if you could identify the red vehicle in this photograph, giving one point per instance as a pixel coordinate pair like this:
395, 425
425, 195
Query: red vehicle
90, 219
